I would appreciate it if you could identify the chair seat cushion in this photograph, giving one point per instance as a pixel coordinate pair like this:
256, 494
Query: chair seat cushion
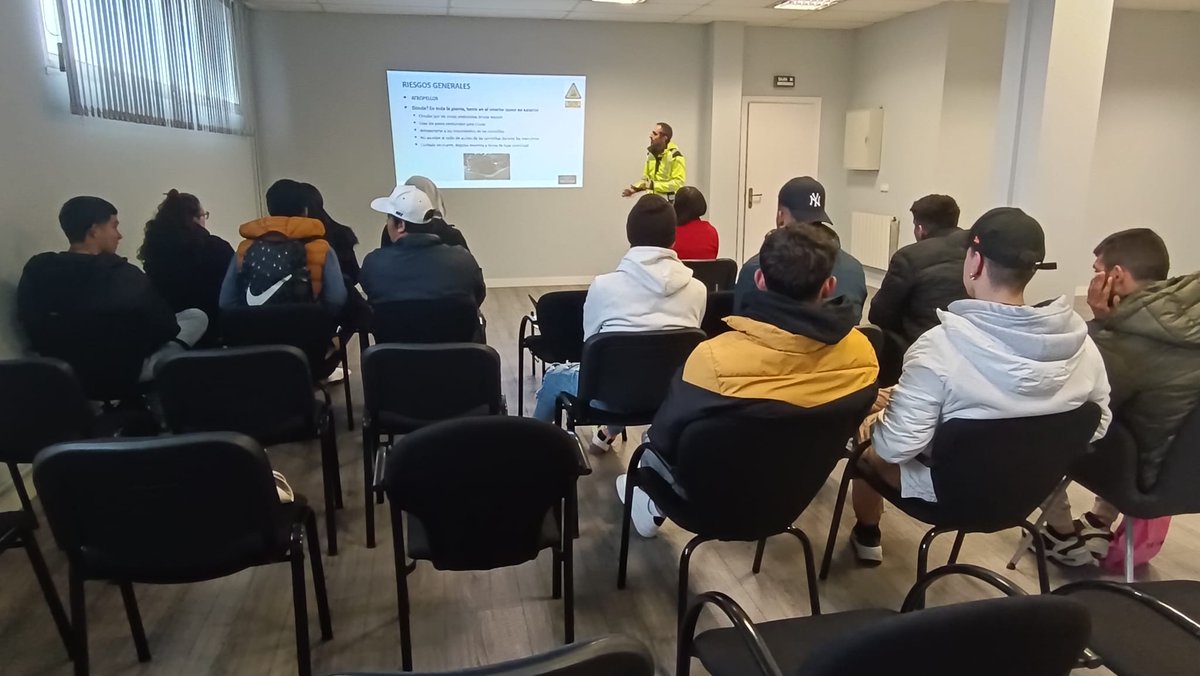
921, 510
1133, 639
693, 518
792, 641
419, 547
596, 416
388, 422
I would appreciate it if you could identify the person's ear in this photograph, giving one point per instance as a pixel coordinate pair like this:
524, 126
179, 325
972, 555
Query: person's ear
827, 288
760, 280
918, 232
779, 218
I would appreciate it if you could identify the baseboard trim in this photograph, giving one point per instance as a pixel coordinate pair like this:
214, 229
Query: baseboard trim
507, 282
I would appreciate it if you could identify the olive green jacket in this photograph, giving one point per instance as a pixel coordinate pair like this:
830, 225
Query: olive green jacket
1151, 347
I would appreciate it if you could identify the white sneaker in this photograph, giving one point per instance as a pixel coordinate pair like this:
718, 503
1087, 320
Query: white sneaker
601, 443
336, 376
646, 520
1066, 551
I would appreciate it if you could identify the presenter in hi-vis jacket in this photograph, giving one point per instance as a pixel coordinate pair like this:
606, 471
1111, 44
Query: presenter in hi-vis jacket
665, 170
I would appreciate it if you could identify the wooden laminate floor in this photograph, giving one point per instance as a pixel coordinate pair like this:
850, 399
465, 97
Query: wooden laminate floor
243, 624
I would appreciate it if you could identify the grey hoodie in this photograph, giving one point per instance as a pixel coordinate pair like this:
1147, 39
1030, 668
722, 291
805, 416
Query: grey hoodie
987, 361
649, 290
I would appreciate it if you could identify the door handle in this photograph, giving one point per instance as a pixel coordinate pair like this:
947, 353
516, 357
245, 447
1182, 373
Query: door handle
750, 195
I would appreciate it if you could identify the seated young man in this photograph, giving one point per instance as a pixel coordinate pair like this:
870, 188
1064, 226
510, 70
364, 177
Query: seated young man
418, 265
921, 279
788, 350
802, 200
89, 287
284, 257
649, 290
1148, 330
992, 357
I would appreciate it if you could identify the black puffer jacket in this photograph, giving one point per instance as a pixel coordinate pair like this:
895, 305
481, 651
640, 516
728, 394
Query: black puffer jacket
921, 279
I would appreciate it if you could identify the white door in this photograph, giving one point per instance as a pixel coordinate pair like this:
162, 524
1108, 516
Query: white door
780, 143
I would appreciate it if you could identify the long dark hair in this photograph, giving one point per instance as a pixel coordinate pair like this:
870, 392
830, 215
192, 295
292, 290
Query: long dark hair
174, 225
336, 233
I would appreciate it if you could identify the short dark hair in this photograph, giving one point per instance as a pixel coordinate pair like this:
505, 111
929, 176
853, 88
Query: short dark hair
689, 204
286, 197
936, 212
667, 130
796, 259
79, 214
651, 222
1013, 279
1139, 250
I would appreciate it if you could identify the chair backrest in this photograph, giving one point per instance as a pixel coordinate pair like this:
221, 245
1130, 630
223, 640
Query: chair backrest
720, 306
614, 655
406, 387
991, 474
1181, 466
482, 487
444, 320
630, 371
265, 392
41, 403
560, 325
1026, 635
751, 477
309, 327
165, 509
875, 335
97, 348
716, 275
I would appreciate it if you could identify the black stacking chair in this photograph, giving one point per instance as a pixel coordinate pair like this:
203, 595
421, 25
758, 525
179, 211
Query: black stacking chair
308, 327
614, 655
746, 479
558, 319
98, 350
173, 510
444, 320
717, 275
989, 476
1145, 629
720, 306
629, 372
484, 493
1027, 635
406, 387
264, 392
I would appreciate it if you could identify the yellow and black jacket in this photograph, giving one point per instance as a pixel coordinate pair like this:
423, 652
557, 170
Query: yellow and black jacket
664, 174
310, 230
782, 355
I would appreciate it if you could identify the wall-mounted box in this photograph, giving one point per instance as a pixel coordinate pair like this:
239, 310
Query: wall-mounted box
864, 139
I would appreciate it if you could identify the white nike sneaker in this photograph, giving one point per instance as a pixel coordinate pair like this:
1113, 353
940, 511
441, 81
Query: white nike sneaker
646, 520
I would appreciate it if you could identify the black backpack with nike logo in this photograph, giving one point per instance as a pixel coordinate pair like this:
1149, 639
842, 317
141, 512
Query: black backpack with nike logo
275, 272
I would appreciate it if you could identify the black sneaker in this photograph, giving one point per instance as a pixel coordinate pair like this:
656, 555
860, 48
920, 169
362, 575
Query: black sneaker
867, 542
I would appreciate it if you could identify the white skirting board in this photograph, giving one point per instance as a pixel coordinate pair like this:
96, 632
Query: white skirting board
506, 282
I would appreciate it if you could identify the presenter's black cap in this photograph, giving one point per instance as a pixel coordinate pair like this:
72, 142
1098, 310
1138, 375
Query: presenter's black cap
805, 198
1012, 238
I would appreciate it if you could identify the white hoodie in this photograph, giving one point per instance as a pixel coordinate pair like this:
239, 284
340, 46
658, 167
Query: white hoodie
987, 361
649, 290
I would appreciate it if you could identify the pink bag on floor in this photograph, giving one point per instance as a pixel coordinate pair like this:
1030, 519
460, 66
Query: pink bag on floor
1148, 538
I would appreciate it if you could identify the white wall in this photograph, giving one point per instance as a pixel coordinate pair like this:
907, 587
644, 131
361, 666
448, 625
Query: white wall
49, 155
823, 63
324, 118
1147, 155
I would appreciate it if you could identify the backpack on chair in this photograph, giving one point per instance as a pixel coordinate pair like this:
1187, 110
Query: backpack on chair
275, 272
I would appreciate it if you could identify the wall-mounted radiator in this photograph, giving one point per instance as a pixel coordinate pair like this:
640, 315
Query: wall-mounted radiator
873, 238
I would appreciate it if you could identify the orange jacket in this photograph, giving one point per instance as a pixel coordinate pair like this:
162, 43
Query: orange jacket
293, 227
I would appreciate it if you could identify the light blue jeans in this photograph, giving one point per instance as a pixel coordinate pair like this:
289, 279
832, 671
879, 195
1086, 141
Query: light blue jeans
561, 378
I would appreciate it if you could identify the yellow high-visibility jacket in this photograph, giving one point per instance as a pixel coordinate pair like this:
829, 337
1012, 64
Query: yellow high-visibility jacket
664, 174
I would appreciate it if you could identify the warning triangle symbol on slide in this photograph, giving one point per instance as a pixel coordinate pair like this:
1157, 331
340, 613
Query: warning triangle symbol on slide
573, 93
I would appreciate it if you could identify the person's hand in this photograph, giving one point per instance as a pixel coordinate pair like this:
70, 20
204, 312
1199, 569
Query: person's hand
627, 192
881, 400
1100, 296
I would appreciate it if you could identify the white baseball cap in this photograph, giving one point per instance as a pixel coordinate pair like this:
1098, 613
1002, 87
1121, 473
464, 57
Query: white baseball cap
407, 203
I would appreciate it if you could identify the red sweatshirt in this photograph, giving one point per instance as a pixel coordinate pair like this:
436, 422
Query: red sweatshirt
696, 240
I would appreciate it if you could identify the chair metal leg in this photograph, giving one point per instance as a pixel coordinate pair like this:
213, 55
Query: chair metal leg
556, 573
1027, 539
685, 560
626, 519
1039, 550
402, 571
810, 570
318, 575
328, 463
568, 566
758, 556
135, 622
958, 543
1129, 523
22, 492
624, 435
346, 390
521, 378
838, 505
78, 621
300, 604
370, 440
48, 591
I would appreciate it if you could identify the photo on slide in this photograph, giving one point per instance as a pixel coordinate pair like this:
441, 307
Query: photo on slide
486, 167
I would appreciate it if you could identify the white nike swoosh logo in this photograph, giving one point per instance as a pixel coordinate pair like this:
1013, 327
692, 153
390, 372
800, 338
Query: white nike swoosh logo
254, 299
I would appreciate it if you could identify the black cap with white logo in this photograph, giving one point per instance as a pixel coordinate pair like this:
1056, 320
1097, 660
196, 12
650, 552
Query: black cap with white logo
1011, 238
805, 198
